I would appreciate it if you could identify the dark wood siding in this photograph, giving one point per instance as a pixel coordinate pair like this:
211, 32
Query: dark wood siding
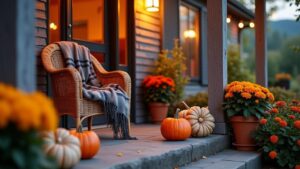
148, 44
41, 34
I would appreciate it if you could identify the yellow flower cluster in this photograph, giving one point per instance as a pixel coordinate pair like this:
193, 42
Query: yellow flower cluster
248, 90
283, 76
26, 111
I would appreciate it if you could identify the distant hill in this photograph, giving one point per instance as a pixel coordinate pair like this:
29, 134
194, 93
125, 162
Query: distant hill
285, 27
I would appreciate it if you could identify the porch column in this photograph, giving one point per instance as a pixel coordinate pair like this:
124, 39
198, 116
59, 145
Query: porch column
217, 60
17, 58
261, 43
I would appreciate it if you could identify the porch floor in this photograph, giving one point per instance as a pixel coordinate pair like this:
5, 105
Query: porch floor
150, 150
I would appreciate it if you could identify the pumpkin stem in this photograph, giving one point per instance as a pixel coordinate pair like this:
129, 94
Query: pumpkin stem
185, 105
176, 113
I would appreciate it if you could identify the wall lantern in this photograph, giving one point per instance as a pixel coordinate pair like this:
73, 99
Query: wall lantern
152, 5
228, 19
241, 25
189, 34
251, 24
53, 26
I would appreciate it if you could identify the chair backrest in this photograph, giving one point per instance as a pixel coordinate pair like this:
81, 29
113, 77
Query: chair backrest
52, 58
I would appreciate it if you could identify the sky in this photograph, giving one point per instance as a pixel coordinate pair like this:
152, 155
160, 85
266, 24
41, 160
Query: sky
284, 11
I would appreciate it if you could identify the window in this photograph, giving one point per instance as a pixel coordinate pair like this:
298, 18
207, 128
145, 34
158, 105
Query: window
189, 37
122, 12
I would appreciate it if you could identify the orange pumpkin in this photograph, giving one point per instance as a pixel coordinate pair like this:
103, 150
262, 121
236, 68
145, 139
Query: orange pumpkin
175, 128
89, 142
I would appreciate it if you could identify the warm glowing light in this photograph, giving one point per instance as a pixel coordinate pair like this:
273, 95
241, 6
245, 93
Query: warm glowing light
189, 34
252, 25
228, 20
53, 26
241, 25
152, 5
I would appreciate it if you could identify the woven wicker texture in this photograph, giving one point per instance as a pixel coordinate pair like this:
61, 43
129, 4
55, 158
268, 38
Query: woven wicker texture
67, 86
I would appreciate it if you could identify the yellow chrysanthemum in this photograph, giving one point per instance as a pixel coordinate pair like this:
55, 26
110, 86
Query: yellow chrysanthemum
228, 95
5, 113
260, 95
246, 95
26, 114
265, 90
48, 116
270, 97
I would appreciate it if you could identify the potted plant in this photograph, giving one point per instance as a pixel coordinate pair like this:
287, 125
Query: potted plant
159, 91
279, 135
283, 80
244, 104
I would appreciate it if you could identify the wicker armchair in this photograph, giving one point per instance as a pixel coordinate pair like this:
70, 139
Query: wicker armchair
67, 86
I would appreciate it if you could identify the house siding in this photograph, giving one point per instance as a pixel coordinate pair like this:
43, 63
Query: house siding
41, 36
148, 45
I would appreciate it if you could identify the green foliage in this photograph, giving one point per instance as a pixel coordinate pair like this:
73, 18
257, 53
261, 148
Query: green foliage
22, 150
290, 60
282, 94
172, 64
281, 126
200, 99
236, 68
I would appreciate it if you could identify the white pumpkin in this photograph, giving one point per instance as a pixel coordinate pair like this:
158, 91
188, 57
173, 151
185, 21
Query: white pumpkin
201, 120
64, 147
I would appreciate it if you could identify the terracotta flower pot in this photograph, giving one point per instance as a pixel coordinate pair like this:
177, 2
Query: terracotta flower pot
243, 129
158, 111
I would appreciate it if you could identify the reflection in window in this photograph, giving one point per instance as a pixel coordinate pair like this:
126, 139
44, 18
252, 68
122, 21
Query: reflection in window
122, 31
54, 21
189, 37
88, 20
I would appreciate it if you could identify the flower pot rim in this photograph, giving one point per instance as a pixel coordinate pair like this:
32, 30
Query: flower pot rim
158, 103
244, 119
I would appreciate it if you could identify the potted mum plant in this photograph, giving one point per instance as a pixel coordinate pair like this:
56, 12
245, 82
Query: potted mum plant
283, 80
279, 135
244, 104
159, 92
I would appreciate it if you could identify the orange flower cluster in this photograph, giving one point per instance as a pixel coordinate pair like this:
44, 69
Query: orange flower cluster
248, 90
295, 109
26, 111
159, 82
280, 103
274, 139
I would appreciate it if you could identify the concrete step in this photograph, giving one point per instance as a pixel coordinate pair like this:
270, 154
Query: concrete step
228, 159
151, 151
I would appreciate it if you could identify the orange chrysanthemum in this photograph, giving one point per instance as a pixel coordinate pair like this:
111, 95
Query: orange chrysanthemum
280, 103
272, 154
274, 110
270, 97
297, 124
274, 139
295, 109
260, 95
228, 95
277, 119
263, 121
246, 95
283, 123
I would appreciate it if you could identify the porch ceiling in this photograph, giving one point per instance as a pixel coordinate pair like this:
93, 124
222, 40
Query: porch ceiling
239, 10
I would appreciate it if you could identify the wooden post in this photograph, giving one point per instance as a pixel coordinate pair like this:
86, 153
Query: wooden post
17, 58
261, 43
217, 60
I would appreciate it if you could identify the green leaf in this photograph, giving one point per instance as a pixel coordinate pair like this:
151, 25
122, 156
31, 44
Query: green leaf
19, 158
230, 112
246, 113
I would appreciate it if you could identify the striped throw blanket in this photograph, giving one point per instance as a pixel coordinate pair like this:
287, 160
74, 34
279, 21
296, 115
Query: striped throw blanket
111, 96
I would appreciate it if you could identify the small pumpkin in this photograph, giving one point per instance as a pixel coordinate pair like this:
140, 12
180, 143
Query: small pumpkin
89, 142
175, 129
64, 147
201, 120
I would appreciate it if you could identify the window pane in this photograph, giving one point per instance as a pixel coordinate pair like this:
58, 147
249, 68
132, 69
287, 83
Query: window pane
88, 20
122, 31
54, 21
189, 37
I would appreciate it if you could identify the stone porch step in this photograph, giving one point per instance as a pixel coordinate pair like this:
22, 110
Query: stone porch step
151, 151
228, 159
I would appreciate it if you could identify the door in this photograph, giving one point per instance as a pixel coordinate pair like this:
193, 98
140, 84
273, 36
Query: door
100, 25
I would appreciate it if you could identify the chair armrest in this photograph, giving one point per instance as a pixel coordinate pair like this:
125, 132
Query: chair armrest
66, 82
117, 77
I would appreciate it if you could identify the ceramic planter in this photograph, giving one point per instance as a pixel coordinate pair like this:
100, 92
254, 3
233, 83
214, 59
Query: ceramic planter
243, 130
158, 111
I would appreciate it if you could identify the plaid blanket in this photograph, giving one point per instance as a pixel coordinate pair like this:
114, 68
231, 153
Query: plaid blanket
111, 96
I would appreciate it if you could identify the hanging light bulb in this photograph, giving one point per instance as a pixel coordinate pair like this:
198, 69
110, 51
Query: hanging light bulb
251, 24
52, 26
189, 34
241, 25
228, 19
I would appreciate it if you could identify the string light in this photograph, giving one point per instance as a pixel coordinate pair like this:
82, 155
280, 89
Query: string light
189, 34
228, 20
252, 25
241, 25
53, 26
